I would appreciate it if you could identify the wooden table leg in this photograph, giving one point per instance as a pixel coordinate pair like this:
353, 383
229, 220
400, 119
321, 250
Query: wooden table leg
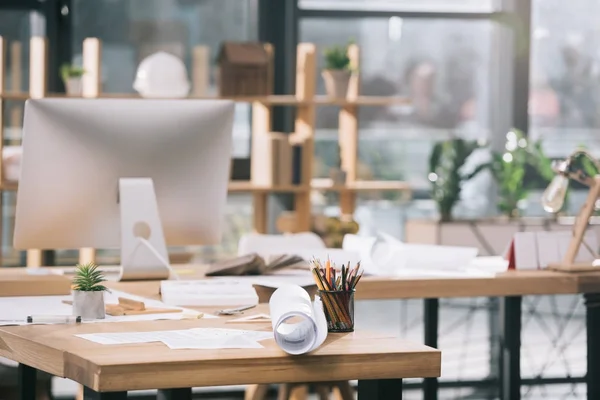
343, 391
299, 392
323, 391
256, 392
79, 395
284, 391
380, 389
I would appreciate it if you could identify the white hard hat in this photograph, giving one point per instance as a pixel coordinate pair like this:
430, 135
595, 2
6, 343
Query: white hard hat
162, 75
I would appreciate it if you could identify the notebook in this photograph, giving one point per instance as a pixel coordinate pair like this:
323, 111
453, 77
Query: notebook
253, 264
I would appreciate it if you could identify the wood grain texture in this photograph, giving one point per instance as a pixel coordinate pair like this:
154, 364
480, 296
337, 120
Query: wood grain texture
18, 283
359, 355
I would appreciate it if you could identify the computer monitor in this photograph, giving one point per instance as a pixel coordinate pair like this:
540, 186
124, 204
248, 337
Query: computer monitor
131, 173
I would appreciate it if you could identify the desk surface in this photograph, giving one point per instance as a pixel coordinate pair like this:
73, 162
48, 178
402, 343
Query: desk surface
511, 283
358, 355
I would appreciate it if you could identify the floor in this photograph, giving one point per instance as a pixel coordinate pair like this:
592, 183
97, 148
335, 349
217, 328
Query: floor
553, 342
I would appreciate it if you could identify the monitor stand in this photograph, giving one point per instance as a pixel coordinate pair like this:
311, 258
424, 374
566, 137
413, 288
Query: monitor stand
144, 253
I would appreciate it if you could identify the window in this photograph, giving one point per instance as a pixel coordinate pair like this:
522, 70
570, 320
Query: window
565, 75
444, 66
130, 30
403, 5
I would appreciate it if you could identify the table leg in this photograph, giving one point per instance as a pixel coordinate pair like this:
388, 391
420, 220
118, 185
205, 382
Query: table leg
27, 382
510, 344
592, 304
89, 394
380, 389
430, 328
175, 394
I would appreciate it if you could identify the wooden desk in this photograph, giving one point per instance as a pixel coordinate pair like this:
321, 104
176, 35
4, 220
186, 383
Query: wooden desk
509, 287
379, 362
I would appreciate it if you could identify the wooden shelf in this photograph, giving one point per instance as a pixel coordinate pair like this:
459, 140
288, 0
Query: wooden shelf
305, 100
363, 101
15, 96
275, 100
9, 186
246, 186
234, 187
358, 186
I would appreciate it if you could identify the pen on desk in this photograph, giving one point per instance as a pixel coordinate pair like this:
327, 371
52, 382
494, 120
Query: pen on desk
53, 319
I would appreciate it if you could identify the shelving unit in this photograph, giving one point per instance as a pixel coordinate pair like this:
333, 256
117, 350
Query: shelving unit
305, 101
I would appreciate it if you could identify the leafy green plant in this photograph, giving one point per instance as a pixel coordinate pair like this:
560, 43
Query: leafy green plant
510, 167
446, 163
336, 58
71, 71
88, 278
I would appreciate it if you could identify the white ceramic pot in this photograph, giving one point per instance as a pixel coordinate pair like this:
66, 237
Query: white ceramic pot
74, 86
336, 82
88, 305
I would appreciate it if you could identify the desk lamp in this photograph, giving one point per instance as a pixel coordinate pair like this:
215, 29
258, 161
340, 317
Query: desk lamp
553, 200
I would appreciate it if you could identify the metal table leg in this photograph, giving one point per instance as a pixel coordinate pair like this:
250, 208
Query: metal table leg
89, 394
510, 343
27, 382
592, 304
431, 318
175, 394
380, 389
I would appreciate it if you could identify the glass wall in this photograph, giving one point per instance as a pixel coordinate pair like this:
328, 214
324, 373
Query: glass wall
565, 78
444, 67
131, 30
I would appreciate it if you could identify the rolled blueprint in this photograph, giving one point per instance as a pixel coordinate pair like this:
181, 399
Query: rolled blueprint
299, 325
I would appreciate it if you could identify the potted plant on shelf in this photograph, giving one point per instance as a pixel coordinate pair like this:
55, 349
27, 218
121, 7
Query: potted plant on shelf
72, 78
337, 72
446, 164
510, 167
88, 292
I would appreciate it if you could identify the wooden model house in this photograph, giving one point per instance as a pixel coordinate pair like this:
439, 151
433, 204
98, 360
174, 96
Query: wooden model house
244, 69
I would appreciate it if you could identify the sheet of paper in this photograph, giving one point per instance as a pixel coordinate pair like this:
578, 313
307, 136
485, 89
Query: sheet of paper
299, 325
197, 338
15, 310
208, 292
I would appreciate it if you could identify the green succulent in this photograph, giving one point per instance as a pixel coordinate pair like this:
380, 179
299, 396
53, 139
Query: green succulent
446, 162
88, 278
336, 57
70, 71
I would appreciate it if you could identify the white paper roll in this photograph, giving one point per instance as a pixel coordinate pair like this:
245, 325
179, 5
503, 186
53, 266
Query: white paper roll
299, 326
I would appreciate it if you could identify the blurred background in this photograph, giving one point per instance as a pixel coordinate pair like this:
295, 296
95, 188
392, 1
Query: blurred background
472, 69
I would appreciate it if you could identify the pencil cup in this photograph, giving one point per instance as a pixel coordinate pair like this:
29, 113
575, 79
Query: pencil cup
339, 309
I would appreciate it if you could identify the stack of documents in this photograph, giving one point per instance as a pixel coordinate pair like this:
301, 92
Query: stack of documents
198, 338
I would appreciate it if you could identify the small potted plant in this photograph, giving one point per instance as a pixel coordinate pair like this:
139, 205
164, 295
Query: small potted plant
510, 167
337, 72
88, 292
446, 174
71, 76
